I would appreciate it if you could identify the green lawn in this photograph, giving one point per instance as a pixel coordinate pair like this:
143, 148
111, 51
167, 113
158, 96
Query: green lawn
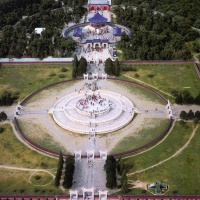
167, 77
181, 172
28, 78
141, 137
17, 182
175, 140
14, 153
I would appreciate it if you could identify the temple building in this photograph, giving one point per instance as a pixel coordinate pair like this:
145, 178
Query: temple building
97, 21
99, 5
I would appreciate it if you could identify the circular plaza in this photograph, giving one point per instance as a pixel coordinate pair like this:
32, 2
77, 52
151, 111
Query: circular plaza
105, 110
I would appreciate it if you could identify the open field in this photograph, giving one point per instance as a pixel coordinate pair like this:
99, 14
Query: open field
17, 182
16, 154
25, 79
181, 172
142, 137
167, 77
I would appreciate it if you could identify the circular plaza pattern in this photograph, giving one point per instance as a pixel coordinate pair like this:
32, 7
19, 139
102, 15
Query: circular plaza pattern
105, 110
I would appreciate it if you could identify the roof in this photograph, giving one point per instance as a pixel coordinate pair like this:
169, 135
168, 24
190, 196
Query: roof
96, 41
98, 2
97, 18
117, 31
77, 32
39, 30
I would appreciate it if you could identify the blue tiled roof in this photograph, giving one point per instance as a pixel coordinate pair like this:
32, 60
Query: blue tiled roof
105, 41
97, 18
89, 41
77, 32
96, 40
117, 31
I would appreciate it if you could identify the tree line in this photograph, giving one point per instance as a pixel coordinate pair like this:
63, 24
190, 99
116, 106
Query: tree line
184, 97
112, 67
190, 115
79, 67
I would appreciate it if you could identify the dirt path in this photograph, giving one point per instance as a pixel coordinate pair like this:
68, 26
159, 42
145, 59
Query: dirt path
174, 155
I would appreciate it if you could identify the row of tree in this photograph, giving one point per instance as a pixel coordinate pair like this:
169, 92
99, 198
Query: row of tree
69, 172
154, 36
79, 67
110, 168
190, 115
59, 170
184, 97
112, 67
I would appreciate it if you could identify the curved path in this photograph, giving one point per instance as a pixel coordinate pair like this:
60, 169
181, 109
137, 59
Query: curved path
26, 169
174, 155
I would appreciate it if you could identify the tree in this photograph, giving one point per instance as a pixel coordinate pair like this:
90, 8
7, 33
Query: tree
82, 67
3, 116
69, 172
75, 67
59, 169
117, 67
197, 115
124, 182
183, 115
109, 67
197, 99
110, 167
190, 115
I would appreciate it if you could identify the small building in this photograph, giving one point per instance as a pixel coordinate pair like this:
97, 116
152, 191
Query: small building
97, 21
39, 30
99, 5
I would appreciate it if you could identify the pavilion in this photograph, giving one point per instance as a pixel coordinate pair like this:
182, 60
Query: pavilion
99, 5
97, 21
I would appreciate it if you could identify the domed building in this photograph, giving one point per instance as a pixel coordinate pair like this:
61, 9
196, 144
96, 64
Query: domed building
97, 21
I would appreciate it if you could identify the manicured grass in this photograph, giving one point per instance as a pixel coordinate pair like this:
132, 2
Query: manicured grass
168, 77
28, 78
142, 137
16, 154
17, 182
175, 140
181, 172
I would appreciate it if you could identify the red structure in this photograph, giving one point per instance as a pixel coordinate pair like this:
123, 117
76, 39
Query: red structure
99, 5
97, 21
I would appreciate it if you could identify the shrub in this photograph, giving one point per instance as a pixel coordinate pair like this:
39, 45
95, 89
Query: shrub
63, 69
37, 177
136, 75
1, 129
150, 75
61, 76
52, 74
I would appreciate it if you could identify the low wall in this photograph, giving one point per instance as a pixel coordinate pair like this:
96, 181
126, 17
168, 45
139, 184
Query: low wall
36, 146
